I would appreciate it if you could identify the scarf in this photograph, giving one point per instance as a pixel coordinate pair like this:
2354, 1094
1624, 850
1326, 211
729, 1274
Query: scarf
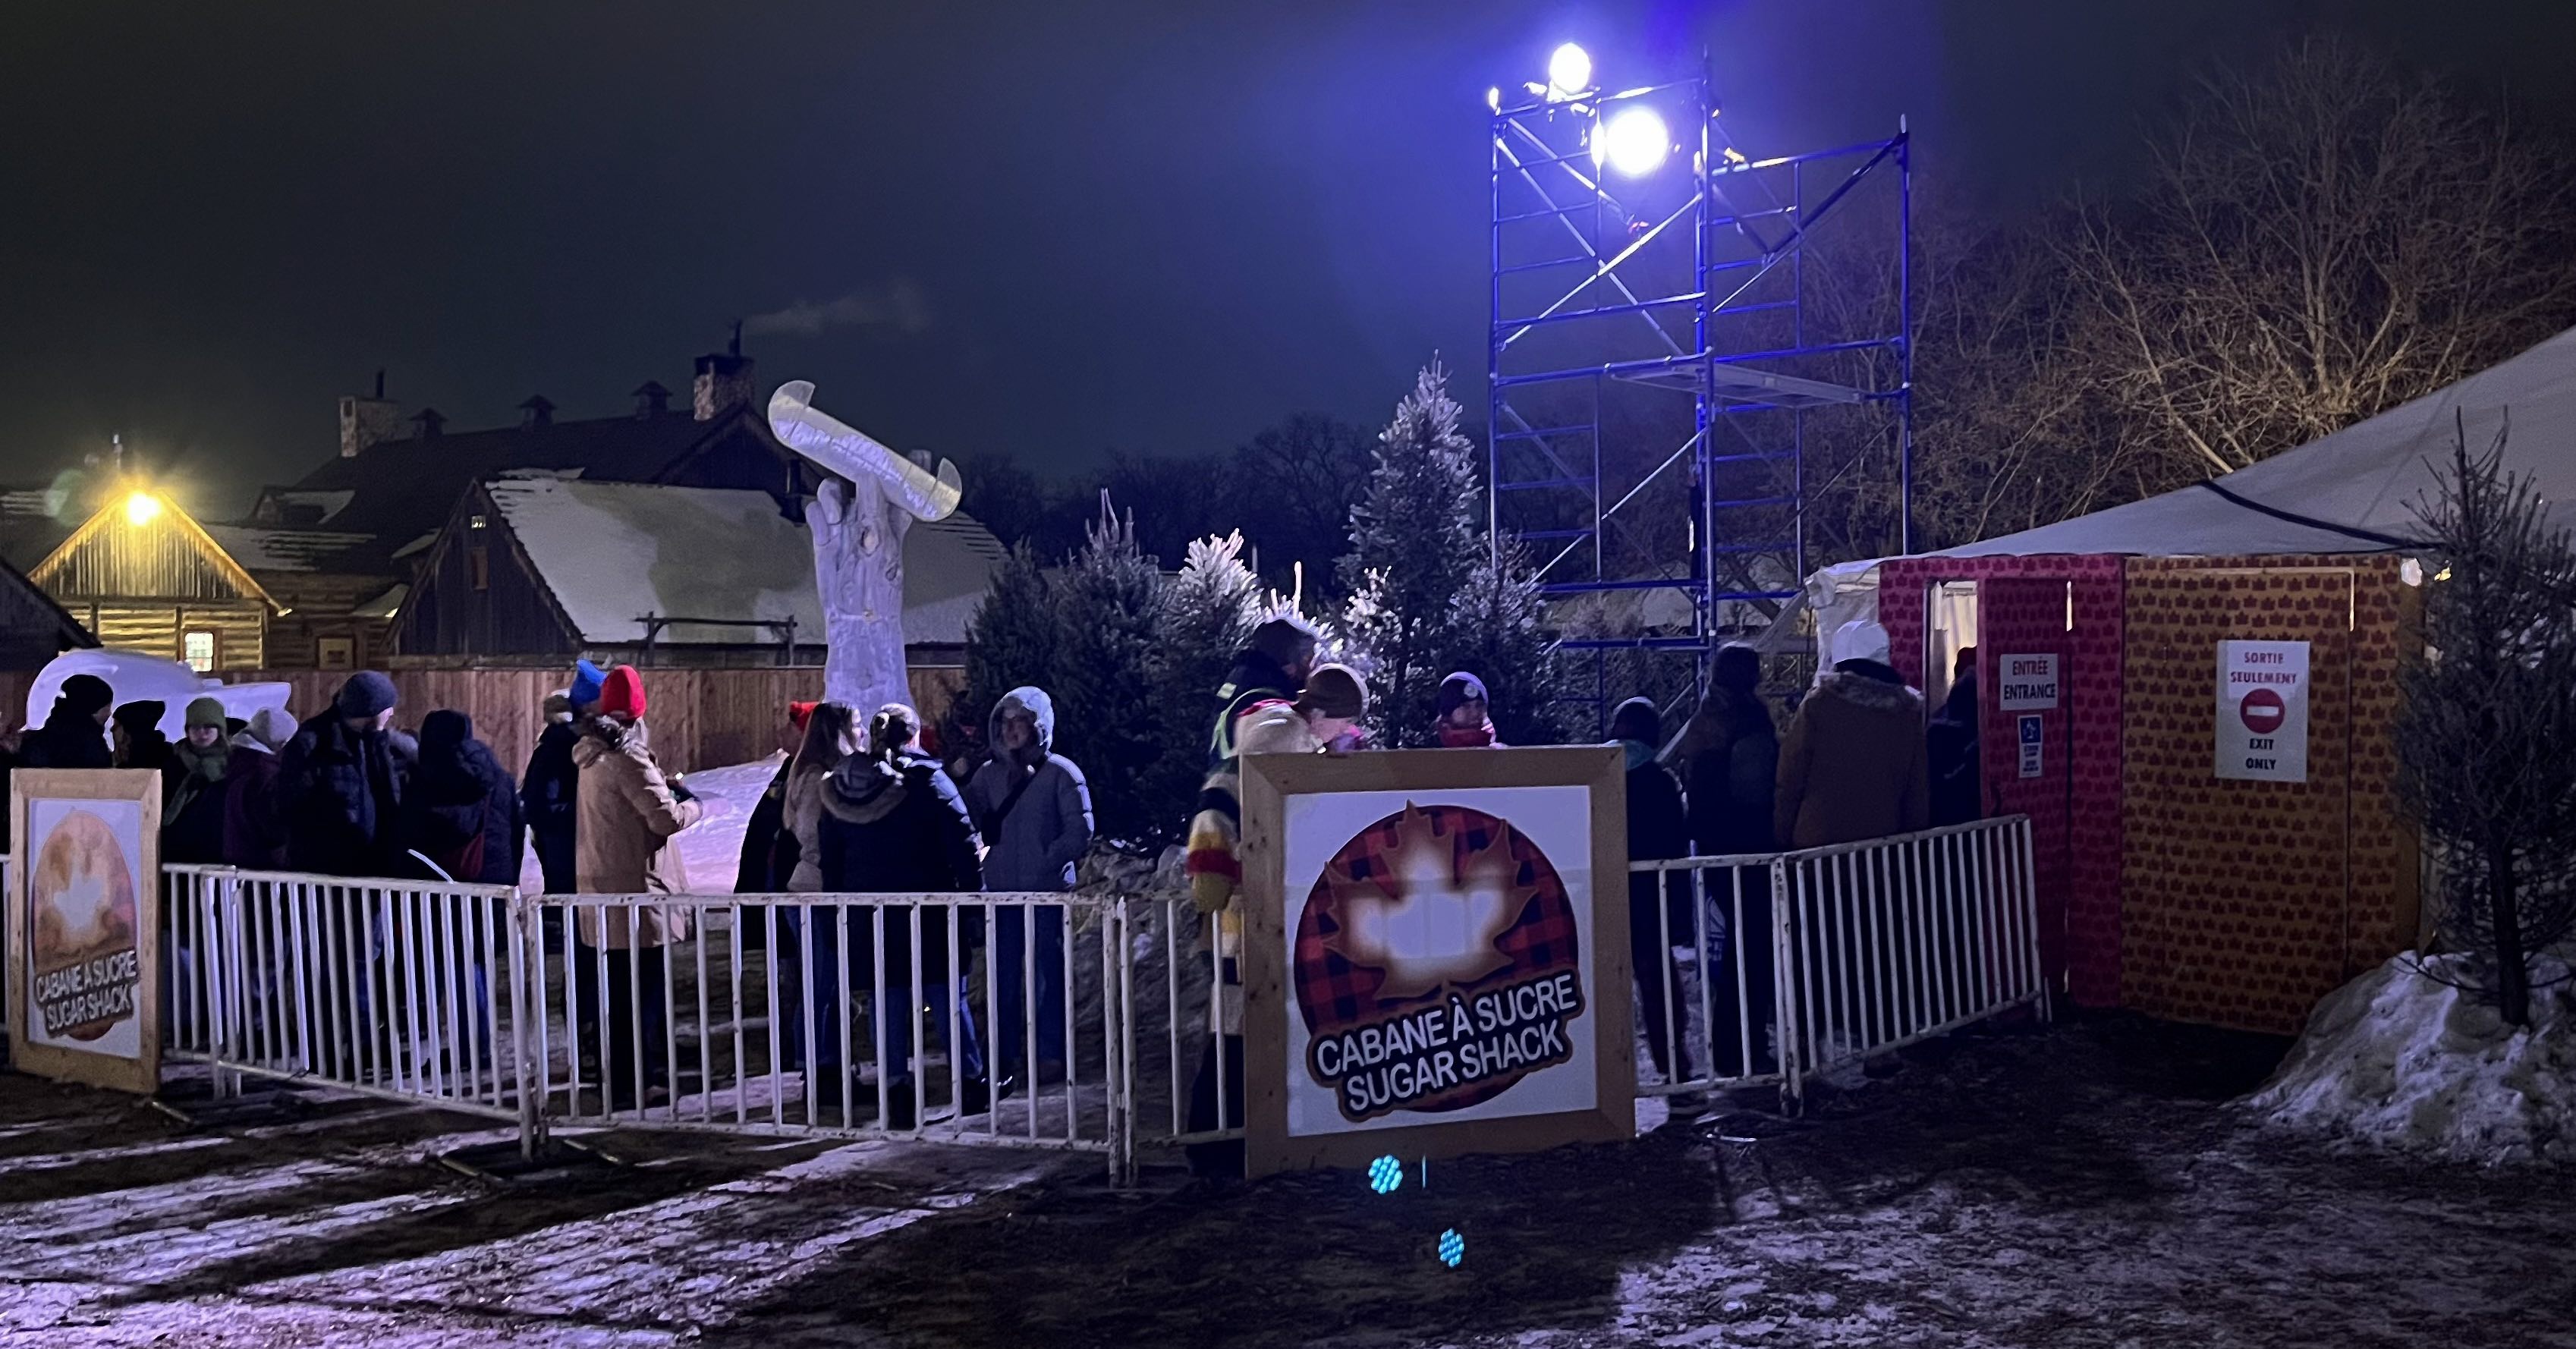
1474, 737
198, 770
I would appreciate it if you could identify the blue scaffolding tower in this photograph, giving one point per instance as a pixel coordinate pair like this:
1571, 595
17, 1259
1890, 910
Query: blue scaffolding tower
1688, 347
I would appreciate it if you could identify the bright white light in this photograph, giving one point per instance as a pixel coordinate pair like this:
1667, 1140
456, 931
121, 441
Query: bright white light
142, 508
1569, 71
1637, 142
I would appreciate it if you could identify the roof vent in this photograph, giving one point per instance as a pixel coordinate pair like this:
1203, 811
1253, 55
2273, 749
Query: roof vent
538, 410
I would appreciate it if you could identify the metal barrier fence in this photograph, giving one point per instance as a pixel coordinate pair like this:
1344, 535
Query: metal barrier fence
1805, 961
397, 989
778, 1014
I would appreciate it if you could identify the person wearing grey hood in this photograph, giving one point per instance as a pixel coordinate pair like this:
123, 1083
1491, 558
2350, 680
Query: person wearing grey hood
1033, 809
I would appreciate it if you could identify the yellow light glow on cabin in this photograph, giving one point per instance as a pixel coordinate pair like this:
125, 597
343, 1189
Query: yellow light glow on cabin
142, 508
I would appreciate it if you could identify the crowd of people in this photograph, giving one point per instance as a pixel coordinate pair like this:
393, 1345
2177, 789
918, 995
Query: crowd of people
858, 806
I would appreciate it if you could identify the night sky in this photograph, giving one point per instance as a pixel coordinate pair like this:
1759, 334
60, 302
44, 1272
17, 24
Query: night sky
1043, 228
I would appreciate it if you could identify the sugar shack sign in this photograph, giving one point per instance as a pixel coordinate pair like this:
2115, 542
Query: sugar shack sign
1429, 967
2263, 711
83, 921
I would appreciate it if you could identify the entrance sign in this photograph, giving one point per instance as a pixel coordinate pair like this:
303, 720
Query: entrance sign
2263, 711
1436, 956
2030, 746
84, 920
2028, 683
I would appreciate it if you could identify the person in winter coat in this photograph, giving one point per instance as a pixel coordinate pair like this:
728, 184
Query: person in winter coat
547, 794
74, 733
894, 823
1332, 705
463, 811
832, 733
342, 781
1463, 719
1851, 765
765, 841
1729, 756
628, 814
192, 788
1272, 668
1658, 830
139, 742
1033, 808
254, 826
1950, 747
73, 736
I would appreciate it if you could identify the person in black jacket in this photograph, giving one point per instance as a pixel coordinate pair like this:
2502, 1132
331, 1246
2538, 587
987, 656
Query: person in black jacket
139, 742
343, 778
894, 823
192, 788
462, 812
1658, 830
1950, 747
74, 734
548, 798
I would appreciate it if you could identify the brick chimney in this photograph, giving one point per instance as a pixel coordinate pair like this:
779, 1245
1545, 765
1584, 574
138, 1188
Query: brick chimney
724, 380
367, 420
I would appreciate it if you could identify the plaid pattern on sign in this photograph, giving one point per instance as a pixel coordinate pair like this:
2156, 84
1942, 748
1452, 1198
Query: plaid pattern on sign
1335, 995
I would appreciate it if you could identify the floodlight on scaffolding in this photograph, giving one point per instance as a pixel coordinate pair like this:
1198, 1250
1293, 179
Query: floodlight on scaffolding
1569, 73
1635, 142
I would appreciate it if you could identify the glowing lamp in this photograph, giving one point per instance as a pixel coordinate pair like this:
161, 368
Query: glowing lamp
142, 508
1635, 142
1569, 71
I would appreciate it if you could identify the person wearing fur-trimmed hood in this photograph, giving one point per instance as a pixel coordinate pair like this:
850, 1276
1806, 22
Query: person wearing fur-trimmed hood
628, 813
1852, 762
1033, 809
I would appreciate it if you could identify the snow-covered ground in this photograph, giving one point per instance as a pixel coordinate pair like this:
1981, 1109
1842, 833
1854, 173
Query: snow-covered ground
2402, 1059
712, 848
2085, 1186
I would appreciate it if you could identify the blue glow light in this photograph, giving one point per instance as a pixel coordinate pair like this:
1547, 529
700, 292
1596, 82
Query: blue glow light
1385, 1174
1453, 1248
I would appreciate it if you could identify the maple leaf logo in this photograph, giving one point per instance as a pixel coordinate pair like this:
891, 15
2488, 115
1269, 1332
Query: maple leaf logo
1429, 917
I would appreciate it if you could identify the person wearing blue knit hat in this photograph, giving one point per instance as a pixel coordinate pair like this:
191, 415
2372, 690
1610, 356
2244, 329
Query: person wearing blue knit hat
586, 682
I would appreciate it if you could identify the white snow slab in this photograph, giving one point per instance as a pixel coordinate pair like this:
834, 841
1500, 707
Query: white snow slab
2398, 1059
612, 552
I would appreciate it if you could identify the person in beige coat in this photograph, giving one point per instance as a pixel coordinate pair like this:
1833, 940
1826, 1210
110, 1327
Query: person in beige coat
626, 815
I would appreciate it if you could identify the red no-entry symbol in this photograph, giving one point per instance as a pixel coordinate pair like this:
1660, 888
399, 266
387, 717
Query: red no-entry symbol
2262, 711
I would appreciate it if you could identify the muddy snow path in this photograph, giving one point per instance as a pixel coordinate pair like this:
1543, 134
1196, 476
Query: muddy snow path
2083, 1187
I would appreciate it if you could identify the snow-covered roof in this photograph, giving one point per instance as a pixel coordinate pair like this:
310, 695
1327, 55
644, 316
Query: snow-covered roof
259, 549
2351, 492
613, 552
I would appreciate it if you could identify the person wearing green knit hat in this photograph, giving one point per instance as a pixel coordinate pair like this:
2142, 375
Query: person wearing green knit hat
192, 794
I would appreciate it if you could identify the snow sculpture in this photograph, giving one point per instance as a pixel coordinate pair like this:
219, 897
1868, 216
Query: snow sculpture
859, 520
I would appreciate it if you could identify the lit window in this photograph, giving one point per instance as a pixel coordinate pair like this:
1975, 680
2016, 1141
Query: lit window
336, 653
197, 649
473, 522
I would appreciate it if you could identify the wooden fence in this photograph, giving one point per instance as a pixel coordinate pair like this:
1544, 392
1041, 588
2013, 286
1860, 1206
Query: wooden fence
700, 718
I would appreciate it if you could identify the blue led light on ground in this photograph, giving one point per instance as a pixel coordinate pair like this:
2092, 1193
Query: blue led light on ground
1453, 1248
1385, 1174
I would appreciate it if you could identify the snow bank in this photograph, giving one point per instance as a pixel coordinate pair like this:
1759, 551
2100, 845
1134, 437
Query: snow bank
2399, 1060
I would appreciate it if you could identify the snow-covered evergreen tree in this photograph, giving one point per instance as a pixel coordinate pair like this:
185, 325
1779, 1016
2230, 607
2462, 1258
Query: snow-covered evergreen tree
1010, 642
1109, 645
1209, 610
1427, 594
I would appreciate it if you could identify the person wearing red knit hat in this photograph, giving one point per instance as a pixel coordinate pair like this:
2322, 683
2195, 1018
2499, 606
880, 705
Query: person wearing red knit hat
627, 813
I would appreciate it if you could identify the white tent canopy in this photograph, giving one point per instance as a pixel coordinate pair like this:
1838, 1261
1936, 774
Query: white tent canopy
2355, 491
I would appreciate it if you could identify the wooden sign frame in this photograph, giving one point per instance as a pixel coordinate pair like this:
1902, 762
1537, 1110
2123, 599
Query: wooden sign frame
1268, 781
142, 1073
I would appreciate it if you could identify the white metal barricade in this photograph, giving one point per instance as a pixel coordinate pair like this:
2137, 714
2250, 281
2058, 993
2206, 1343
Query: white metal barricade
399, 989
835, 1014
